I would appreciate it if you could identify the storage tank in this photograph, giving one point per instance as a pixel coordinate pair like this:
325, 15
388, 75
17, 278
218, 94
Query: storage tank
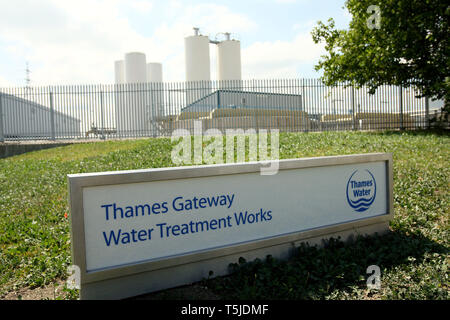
119, 94
229, 59
119, 71
156, 90
229, 71
135, 67
197, 57
197, 62
154, 72
133, 114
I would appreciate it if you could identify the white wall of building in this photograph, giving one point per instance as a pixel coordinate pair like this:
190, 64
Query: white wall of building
23, 118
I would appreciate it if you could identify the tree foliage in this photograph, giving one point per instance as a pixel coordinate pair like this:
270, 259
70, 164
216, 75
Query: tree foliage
397, 42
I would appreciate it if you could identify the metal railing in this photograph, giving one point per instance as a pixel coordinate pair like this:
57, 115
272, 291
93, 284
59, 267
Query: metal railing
157, 109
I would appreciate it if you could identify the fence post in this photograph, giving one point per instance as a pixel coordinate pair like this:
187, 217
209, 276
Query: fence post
218, 99
353, 108
401, 107
308, 122
427, 112
102, 116
2, 134
52, 116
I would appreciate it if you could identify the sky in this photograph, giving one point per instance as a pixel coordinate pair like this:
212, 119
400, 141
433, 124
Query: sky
77, 41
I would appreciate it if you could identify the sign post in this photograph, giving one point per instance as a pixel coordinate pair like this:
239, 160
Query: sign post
139, 231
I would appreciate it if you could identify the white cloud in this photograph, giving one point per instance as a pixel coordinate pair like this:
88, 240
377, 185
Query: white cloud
78, 41
70, 42
4, 83
280, 59
141, 6
307, 25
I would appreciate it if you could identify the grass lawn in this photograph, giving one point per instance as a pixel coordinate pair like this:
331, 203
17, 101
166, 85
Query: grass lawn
414, 257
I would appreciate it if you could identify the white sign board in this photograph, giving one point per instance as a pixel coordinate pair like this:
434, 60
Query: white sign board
136, 218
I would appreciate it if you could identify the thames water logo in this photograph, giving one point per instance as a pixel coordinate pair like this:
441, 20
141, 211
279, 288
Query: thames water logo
361, 190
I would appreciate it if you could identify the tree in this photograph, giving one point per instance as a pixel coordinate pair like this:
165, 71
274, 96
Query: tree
396, 42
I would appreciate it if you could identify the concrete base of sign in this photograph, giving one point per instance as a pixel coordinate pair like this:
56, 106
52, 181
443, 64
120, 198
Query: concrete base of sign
155, 280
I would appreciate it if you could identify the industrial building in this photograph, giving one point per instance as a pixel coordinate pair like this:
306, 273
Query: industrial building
142, 107
239, 99
22, 118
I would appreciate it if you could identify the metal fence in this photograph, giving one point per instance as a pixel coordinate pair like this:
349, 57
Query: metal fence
157, 109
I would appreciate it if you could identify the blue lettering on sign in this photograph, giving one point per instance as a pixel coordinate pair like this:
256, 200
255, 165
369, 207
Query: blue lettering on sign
361, 190
179, 204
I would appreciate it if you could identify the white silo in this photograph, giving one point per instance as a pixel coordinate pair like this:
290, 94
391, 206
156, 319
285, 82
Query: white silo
156, 96
135, 67
154, 72
119, 94
119, 71
132, 112
197, 57
229, 59
197, 62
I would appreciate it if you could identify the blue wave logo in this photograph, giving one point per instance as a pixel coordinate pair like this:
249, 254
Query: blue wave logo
361, 190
